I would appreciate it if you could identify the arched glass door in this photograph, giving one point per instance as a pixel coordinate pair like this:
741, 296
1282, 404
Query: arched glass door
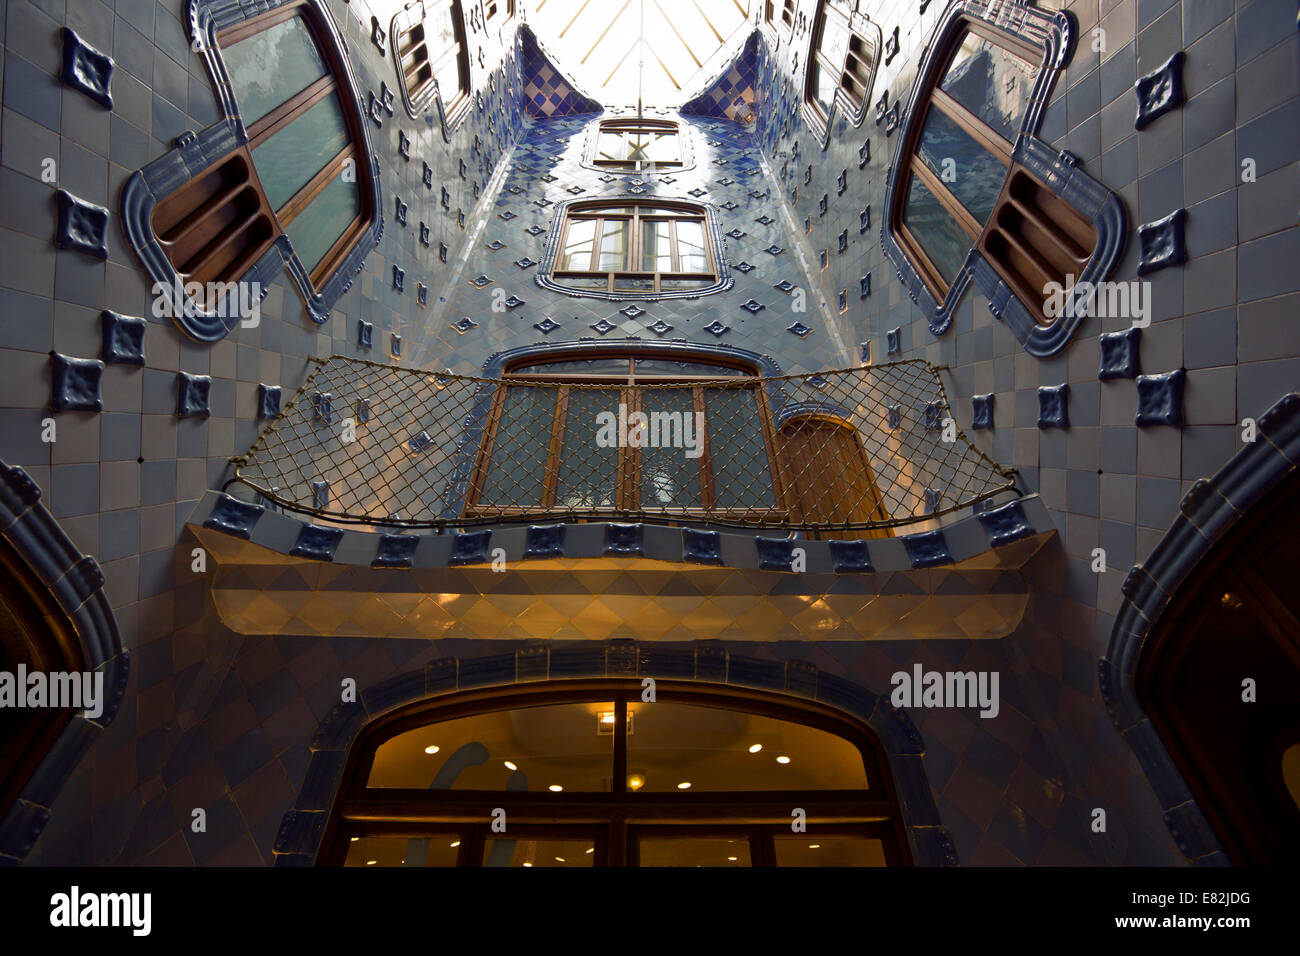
587, 773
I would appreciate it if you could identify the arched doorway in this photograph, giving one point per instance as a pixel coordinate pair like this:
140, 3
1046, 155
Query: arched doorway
588, 773
36, 637
1219, 677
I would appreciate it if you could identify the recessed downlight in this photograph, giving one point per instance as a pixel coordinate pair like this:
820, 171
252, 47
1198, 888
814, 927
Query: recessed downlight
783, 759
510, 765
431, 749
555, 788
684, 785
755, 748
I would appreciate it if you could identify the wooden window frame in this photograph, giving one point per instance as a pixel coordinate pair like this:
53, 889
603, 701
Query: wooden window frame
591, 212
626, 126
278, 118
628, 481
361, 811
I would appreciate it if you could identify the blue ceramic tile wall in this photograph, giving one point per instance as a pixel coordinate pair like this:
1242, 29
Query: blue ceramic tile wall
217, 720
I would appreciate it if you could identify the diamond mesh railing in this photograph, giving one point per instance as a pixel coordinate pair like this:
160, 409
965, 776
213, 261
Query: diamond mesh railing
848, 450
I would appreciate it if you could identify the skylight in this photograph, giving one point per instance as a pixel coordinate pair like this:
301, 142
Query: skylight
664, 48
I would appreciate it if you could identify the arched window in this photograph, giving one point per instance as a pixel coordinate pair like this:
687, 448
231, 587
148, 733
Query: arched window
841, 65
560, 438
585, 773
286, 176
1219, 677
972, 194
634, 249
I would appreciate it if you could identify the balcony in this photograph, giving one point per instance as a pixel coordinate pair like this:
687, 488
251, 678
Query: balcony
853, 453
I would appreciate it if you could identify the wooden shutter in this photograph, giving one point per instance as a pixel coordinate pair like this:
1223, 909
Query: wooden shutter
1034, 237
828, 476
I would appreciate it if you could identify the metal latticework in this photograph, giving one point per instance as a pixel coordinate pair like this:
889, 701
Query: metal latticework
849, 450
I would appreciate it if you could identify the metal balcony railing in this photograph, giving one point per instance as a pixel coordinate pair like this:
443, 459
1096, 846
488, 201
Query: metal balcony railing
858, 451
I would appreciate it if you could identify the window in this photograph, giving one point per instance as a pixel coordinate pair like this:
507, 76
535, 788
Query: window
657, 784
432, 57
842, 63
631, 249
291, 159
706, 449
298, 138
787, 13
637, 145
969, 195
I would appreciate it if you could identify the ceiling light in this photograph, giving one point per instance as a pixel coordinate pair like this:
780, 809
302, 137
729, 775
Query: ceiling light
527, 864
783, 759
684, 785
591, 850
813, 846
456, 844
635, 780
431, 749
371, 862
555, 788
755, 748
510, 765
560, 859
355, 839
732, 859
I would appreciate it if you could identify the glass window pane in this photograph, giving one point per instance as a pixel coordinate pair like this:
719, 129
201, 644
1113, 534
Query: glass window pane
290, 158
693, 851
713, 749
517, 473
737, 451
645, 367
992, 83
834, 39
945, 242
319, 226
525, 750
821, 86
670, 472
974, 175
661, 147
588, 473
809, 849
438, 850
656, 246
440, 28
601, 366
499, 851
690, 247
611, 147
448, 77
613, 245
577, 246
269, 67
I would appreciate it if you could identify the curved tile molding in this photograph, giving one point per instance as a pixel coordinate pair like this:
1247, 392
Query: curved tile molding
77, 585
298, 840
1208, 510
